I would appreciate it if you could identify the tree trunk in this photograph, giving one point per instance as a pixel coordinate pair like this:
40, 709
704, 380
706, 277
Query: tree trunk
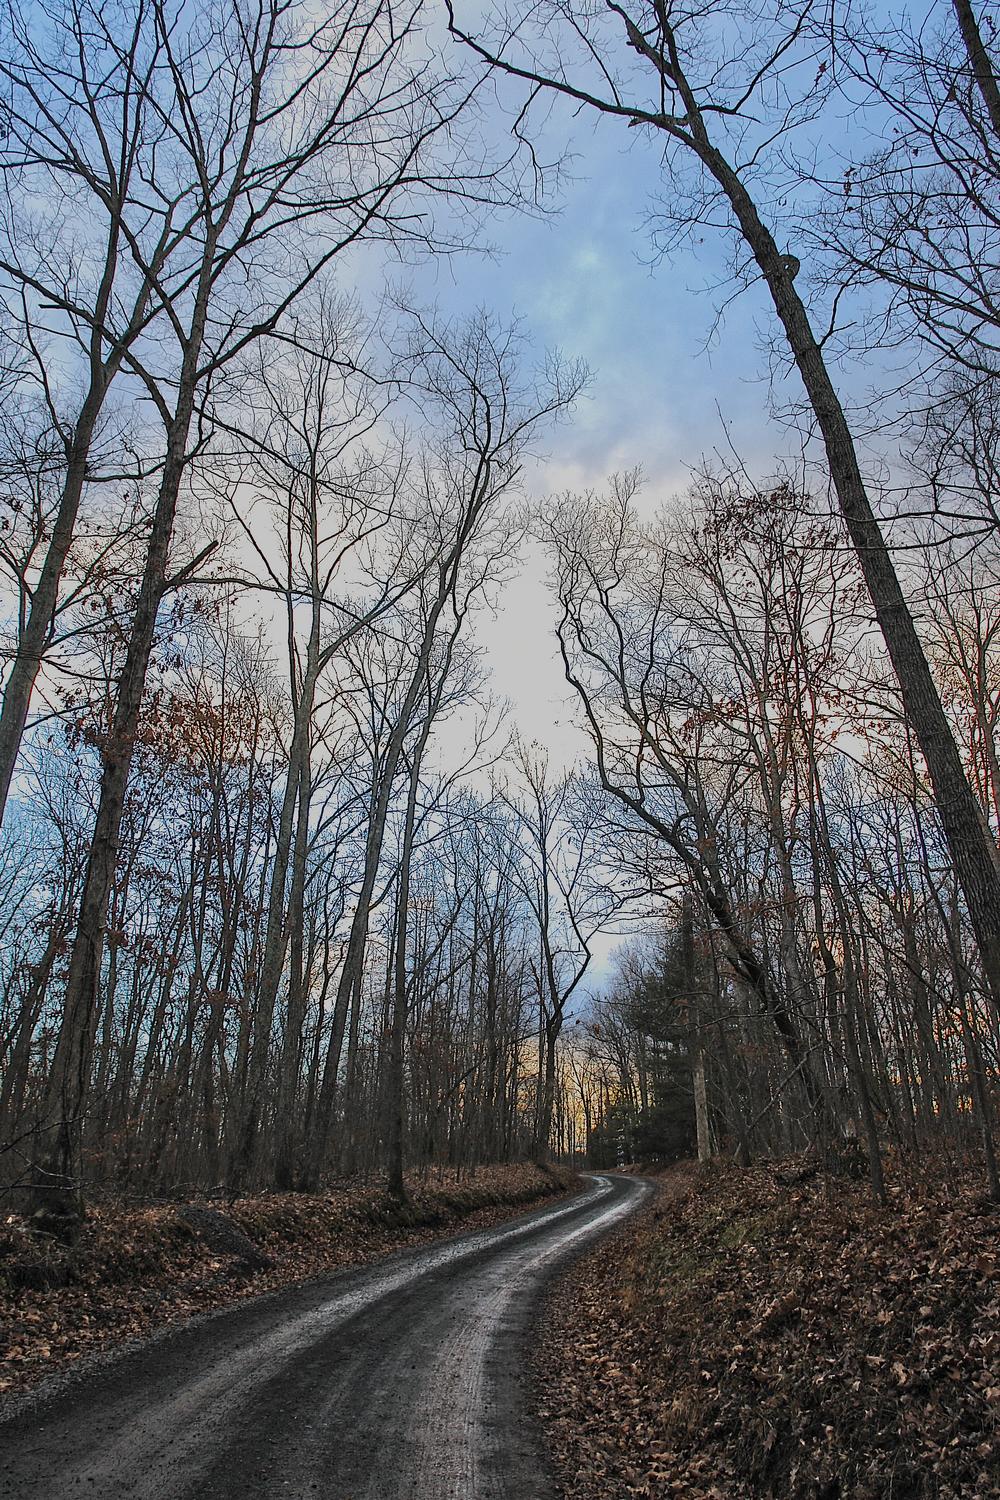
41, 615
394, 1093
278, 923
702, 1129
972, 849
982, 67
66, 1095
543, 1128
295, 1011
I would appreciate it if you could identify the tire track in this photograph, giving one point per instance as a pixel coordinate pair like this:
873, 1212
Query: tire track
399, 1381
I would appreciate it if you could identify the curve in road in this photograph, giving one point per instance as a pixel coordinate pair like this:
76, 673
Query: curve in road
400, 1381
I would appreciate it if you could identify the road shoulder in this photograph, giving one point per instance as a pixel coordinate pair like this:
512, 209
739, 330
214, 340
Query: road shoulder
138, 1271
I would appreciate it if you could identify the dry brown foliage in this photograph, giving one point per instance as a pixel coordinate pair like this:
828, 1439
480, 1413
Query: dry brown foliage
754, 1336
134, 1270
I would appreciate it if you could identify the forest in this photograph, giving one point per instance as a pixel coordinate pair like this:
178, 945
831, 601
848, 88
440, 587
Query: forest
286, 894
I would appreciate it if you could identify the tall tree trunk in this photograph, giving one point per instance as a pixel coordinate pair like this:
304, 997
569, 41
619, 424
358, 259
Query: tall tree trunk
982, 67
278, 926
394, 1093
286, 1124
547, 1064
67, 1090
972, 850
702, 1130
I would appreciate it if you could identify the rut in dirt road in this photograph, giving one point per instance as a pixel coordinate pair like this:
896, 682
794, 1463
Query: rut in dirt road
401, 1381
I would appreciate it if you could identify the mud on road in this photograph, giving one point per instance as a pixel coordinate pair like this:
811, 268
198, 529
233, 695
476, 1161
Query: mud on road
400, 1381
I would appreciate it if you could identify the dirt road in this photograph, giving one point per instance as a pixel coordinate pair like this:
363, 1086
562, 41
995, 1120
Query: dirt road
400, 1381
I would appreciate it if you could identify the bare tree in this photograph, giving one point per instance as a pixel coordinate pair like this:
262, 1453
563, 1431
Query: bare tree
488, 413
677, 668
289, 141
706, 78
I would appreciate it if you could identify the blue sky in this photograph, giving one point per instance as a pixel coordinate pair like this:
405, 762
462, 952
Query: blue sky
580, 279
662, 386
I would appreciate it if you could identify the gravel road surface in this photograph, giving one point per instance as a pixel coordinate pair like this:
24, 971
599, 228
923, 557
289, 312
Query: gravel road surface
398, 1381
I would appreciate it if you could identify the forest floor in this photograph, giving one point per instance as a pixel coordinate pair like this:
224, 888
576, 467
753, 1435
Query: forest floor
401, 1379
773, 1332
133, 1270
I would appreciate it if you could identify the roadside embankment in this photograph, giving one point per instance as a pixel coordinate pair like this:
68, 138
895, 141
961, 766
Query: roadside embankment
775, 1333
133, 1270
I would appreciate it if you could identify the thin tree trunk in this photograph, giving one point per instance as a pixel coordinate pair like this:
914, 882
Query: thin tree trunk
41, 615
291, 1049
397, 1032
702, 1130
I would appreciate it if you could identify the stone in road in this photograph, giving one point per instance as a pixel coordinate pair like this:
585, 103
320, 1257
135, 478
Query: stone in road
400, 1381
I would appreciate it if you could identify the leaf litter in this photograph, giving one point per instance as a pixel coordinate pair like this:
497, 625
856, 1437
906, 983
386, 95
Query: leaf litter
773, 1333
133, 1270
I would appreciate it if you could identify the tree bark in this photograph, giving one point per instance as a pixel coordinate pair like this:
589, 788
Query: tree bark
979, 58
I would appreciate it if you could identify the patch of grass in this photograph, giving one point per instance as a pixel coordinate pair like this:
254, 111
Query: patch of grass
747, 1229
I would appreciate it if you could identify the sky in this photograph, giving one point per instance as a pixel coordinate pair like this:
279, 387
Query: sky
664, 393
